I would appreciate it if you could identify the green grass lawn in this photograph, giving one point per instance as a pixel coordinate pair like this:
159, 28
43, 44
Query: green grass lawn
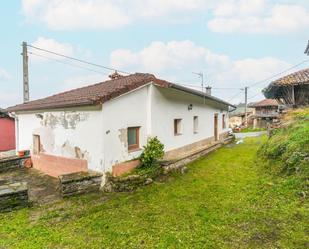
226, 200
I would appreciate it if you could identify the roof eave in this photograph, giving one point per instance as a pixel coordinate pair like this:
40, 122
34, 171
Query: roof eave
200, 94
52, 107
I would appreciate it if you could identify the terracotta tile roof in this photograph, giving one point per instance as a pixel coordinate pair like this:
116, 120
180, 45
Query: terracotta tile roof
265, 102
100, 93
297, 78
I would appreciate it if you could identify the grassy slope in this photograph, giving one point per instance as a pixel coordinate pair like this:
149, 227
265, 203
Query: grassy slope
225, 201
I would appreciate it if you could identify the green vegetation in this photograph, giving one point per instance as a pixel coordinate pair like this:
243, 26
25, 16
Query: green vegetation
153, 151
288, 148
226, 200
250, 129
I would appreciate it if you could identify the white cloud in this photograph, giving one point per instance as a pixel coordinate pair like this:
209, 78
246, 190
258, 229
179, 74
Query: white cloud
258, 16
82, 80
97, 14
162, 57
228, 16
176, 60
8, 99
249, 70
52, 45
4, 75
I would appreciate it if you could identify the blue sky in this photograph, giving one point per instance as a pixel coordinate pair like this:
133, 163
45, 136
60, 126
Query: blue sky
233, 42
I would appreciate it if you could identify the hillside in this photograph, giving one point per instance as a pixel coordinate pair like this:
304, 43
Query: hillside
287, 151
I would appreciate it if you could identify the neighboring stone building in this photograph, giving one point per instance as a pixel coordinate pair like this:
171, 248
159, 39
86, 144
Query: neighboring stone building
103, 127
291, 90
265, 112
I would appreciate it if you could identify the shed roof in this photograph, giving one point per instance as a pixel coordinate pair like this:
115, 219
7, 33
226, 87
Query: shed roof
102, 92
265, 102
297, 78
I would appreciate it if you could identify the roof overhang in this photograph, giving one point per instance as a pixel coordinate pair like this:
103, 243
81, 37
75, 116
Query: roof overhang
200, 94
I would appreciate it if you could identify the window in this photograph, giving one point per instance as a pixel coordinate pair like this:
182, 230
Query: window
36, 144
223, 121
177, 126
133, 138
195, 124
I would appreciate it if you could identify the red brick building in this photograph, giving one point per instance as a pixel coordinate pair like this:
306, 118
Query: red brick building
7, 132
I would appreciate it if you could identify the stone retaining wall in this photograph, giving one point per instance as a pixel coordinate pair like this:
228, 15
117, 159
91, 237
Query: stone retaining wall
181, 163
12, 163
131, 182
13, 196
79, 183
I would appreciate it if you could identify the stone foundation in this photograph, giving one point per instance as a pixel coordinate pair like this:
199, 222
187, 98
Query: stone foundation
187, 149
180, 163
12, 163
13, 196
122, 168
79, 183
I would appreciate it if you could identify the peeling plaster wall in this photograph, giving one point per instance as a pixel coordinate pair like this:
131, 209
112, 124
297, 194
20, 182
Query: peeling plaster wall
100, 135
67, 133
170, 104
129, 110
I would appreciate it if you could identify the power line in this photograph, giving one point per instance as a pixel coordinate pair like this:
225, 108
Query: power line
76, 59
217, 88
234, 96
277, 74
66, 63
254, 95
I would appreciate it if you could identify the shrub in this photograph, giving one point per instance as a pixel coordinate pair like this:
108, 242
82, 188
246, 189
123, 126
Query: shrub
153, 151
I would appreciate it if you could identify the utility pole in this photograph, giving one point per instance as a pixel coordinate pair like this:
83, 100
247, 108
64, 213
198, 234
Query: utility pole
25, 73
246, 103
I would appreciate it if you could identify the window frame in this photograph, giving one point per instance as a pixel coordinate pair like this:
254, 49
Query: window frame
136, 146
195, 124
177, 126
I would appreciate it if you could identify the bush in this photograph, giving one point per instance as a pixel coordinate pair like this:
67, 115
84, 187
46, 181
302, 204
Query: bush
153, 151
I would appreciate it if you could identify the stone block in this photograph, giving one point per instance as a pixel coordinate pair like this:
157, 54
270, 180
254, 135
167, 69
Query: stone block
13, 196
80, 183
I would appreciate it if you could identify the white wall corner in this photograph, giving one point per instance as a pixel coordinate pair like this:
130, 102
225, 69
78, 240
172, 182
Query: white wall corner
149, 108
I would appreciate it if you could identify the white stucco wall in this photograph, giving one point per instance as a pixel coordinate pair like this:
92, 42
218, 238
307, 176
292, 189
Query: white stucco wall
100, 134
68, 133
169, 104
129, 110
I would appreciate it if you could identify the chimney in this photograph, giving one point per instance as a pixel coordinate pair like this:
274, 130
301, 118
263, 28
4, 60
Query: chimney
208, 90
115, 75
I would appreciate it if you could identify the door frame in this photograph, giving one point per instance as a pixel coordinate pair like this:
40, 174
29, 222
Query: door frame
216, 126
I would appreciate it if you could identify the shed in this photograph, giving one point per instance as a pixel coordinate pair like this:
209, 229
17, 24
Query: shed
292, 89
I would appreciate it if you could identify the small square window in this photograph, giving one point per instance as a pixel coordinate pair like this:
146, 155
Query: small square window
177, 126
133, 138
195, 124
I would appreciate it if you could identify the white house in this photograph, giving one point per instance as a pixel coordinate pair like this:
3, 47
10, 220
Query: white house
103, 126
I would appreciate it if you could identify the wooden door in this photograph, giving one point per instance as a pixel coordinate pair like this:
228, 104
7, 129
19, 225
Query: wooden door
216, 127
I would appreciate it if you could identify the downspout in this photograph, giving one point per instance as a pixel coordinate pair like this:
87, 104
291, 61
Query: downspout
16, 132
